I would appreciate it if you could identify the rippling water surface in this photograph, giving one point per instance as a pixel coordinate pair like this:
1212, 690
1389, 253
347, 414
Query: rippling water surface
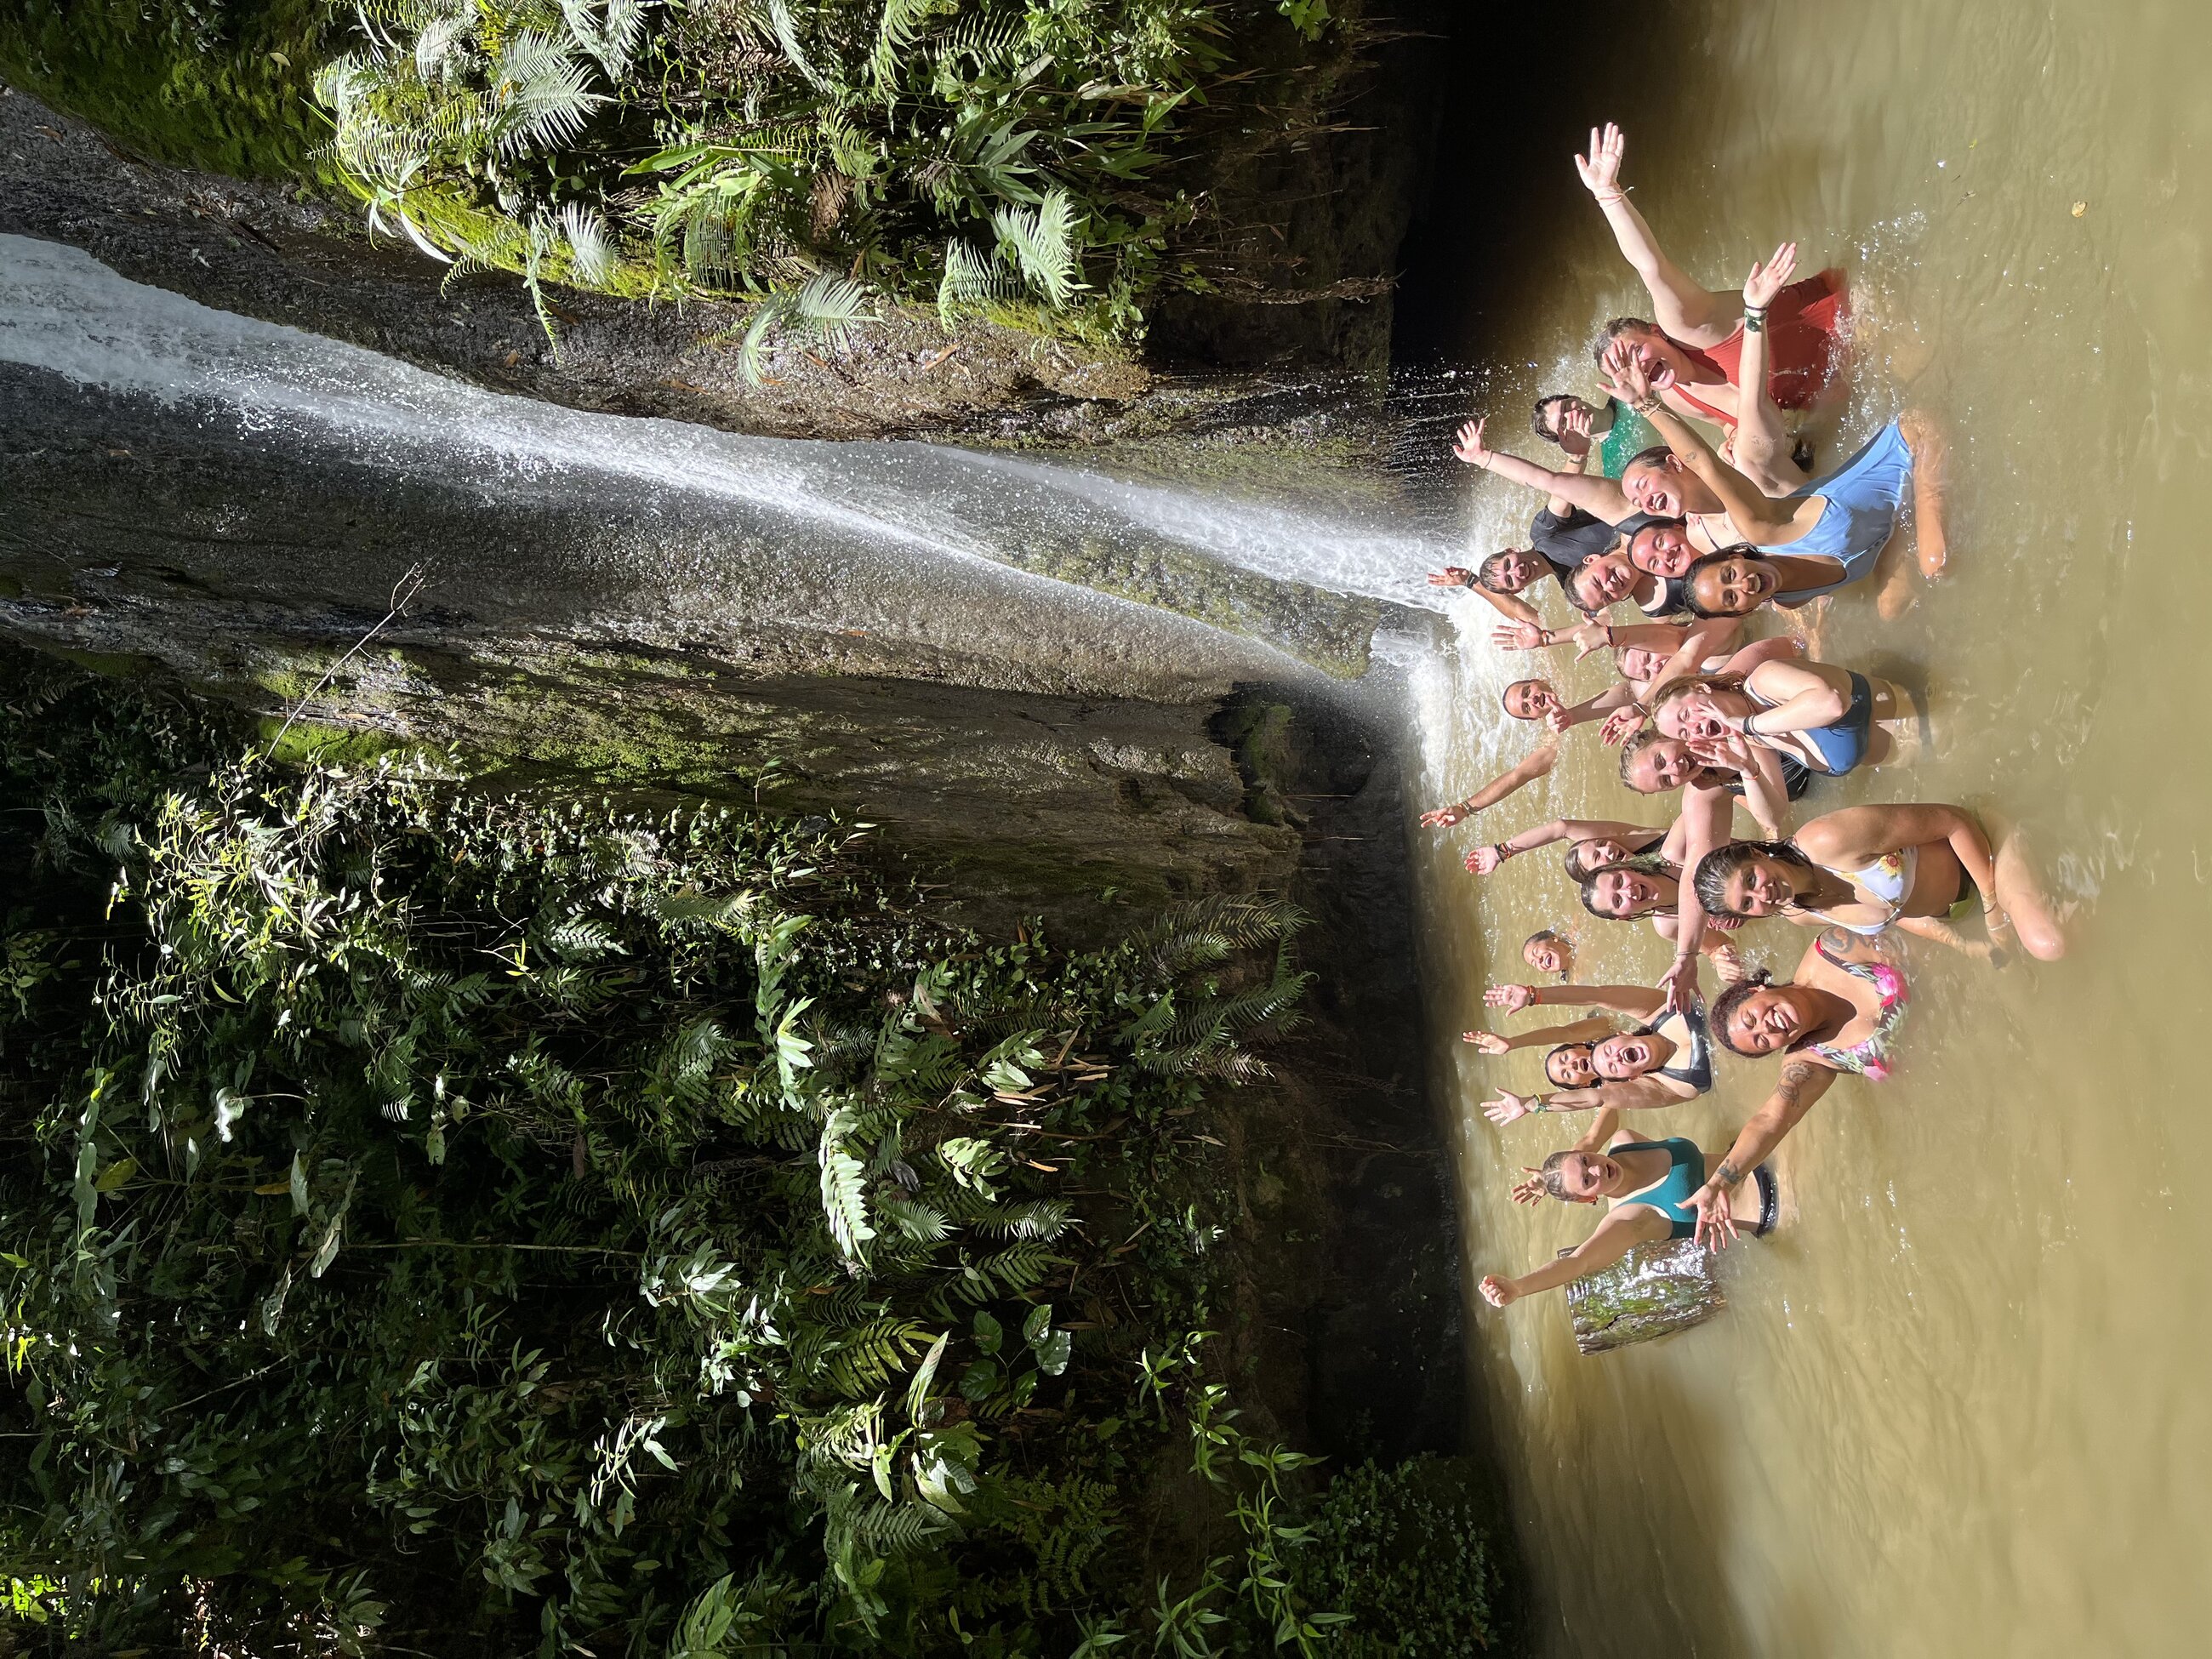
1962, 1406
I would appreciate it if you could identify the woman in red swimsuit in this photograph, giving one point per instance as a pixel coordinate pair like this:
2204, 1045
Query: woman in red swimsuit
1698, 335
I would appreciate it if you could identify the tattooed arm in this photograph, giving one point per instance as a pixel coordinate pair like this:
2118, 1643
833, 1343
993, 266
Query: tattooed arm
1802, 1082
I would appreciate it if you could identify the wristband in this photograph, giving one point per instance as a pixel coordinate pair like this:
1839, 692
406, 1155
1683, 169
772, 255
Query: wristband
1755, 319
1535, 1105
1473, 579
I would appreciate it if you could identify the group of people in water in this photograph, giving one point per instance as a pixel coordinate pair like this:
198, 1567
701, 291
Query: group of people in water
1685, 498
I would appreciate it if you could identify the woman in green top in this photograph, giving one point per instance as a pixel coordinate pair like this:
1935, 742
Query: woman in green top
1647, 1185
1619, 432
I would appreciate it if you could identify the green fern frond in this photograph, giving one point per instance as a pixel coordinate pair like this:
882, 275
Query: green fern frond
1043, 244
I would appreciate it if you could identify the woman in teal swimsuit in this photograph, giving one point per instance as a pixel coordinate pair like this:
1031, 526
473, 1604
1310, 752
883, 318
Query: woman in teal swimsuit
1919, 868
1648, 1185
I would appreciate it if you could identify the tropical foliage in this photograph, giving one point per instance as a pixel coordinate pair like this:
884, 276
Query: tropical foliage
1011, 157
439, 1222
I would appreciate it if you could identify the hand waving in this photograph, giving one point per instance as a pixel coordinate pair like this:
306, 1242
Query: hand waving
1469, 446
1626, 372
1619, 726
1483, 860
1511, 998
1507, 1108
1443, 818
1768, 280
1575, 432
1715, 1216
1518, 637
1487, 1043
1601, 168
1531, 1190
1451, 575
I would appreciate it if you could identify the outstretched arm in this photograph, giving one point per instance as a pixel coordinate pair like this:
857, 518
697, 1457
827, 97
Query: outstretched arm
1536, 766
1599, 497
1593, 1029
1761, 446
1618, 1234
1689, 311
1757, 515
1803, 694
1802, 1082
1510, 604
1484, 860
1707, 637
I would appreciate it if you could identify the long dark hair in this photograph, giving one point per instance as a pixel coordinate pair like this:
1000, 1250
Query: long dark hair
1706, 562
1568, 1048
1725, 1005
1711, 879
1643, 864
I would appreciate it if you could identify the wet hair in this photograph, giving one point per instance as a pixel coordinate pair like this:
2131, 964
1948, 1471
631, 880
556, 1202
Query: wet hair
1642, 739
1689, 683
1710, 561
1567, 1048
1536, 414
1554, 1174
1505, 697
1615, 329
1627, 542
1712, 877
1484, 573
1725, 1005
1657, 455
1643, 864
1546, 936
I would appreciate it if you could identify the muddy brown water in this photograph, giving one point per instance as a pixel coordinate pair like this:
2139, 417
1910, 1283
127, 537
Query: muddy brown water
1961, 1405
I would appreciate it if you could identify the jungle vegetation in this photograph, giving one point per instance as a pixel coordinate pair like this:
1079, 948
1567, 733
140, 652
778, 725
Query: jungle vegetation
442, 1222
1032, 161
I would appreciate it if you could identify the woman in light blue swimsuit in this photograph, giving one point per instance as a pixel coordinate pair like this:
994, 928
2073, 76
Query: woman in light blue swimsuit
1647, 1184
1825, 717
1759, 540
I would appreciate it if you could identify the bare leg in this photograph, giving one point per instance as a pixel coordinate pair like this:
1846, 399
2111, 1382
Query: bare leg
1942, 932
1892, 578
1931, 466
2022, 899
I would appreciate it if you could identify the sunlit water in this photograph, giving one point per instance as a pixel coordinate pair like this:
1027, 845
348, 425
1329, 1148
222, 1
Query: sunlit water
1960, 1406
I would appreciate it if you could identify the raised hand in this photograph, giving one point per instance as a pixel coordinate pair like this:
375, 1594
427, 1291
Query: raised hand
1680, 984
1487, 1043
1452, 576
1627, 372
1715, 1216
1768, 280
1575, 432
1507, 1108
1497, 1291
1728, 749
1728, 959
1531, 1189
1559, 720
1589, 637
1601, 168
1620, 725
1443, 818
1518, 637
1469, 446
1485, 859
1511, 998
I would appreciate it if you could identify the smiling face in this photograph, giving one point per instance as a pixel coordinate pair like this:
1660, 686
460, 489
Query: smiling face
1530, 700
1548, 954
1760, 886
1735, 586
1604, 580
1663, 765
1768, 1019
1511, 570
1661, 550
1640, 663
1701, 715
1618, 1059
1625, 895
